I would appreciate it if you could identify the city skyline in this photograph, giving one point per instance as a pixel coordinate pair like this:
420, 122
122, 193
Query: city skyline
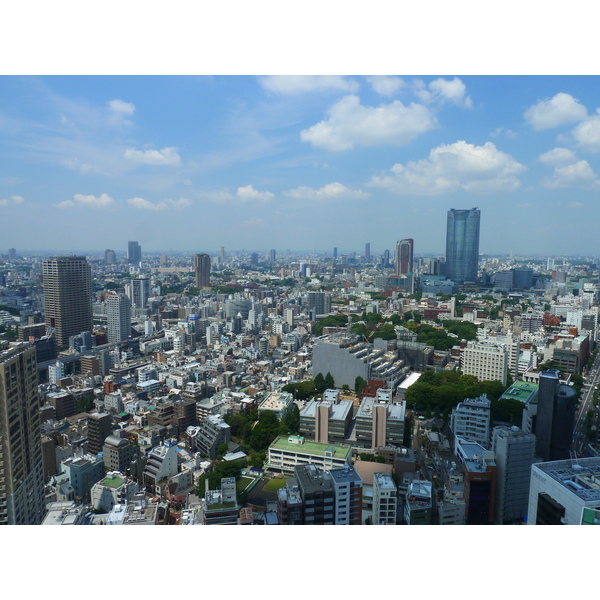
307, 161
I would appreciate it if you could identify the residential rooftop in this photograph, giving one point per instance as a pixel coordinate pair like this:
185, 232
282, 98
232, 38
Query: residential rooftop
301, 446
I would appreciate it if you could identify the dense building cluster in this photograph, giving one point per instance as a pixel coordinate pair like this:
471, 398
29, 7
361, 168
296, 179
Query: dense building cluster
273, 388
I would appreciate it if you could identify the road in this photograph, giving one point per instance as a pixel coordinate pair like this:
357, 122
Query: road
585, 403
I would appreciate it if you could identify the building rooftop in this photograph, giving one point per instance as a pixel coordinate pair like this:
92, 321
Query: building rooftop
113, 480
521, 390
307, 447
581, 476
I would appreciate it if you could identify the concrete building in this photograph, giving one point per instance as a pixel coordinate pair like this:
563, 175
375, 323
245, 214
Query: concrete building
202, 264
514, 450
134, 253
278, 402
67, 282
286, 452
99, 428
220, 506
562, 491
328, 419
487, 361
470, 419
385, 499
317, 493
209, 435
118, 312
343, 356
161, 464
380, 421
347, 487
21, 463
83, 472
404, 256
138, 292
418, 508
112, 490
117, 454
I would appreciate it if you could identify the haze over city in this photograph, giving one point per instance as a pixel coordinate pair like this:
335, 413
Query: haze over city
298, 162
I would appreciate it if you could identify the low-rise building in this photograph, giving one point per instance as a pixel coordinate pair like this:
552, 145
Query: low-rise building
286, 452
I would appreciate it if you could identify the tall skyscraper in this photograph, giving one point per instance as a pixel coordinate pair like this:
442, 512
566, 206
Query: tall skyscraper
272, 256
67, 296
118, 311
555, 417
404, 256
222, 254
134, 253
138, 291
367, 252
462, 245
110, 258
334, 253
22, 500
202, 269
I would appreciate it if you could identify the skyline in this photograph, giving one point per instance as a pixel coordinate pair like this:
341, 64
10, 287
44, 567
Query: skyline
192, 163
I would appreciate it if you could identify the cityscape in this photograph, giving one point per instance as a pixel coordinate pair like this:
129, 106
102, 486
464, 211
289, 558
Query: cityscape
260, 335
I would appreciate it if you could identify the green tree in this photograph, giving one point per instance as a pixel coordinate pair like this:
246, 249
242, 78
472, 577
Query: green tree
319, 383
329, 381
290, 423
85, 403
359, 384
223, 449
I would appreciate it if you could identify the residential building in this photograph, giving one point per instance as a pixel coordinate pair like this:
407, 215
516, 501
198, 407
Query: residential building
347, 486
21, 463
99, 427
404, 256
83, 472
112, 490
562, 491
470, 419
462, 245
118, 312
209, 435
202, 264
117, 453
328, 419
134, 253
380, 421
514, 450
418, 504
138, 292
220, 506
317, 493
278, 402
385, 499
67, 282
488, 361
161, 464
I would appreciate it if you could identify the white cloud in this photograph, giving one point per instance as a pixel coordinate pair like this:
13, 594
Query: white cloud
587, 133
166, 156
351, 124
558, 110
568, 170
300, 84
453, 167
558, 157
119, 110
451, 90
575, 204
143, 204
501, 131
249, 194
12, 200
386, 85
330, 191
90, 201
253, 222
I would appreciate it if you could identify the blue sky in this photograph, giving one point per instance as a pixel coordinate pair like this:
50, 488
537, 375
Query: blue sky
298, 162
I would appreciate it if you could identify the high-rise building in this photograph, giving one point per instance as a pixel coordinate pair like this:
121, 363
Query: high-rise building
12, 254
67, 296
202, 269
99, 428
470, 419
134, 253
272, 256
404, 256
22, 499
334, 253
555, 417
462, 245
488, 361
138, 291
222, 253
118, 312
110, 258
367, 252
385, 499
514, 450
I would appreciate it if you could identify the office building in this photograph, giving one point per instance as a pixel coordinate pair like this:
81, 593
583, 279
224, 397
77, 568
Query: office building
288, 451
117, 453
514, 450
555, 417
385, 499
380, 421
418, 507
99, 428
367, 252
67, 296
462, 245
118, 312
328, 419
488, 361
114, 489
202, 265
404, 256
317, 494
134, 253
21, 465
272, 256
138, 292
562, 492
110, 258
470, 419
220, 506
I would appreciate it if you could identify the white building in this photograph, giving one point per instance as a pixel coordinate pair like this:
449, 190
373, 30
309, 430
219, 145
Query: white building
118, 313
561, 489
385, 499
470, 420
113, 489
56, 372
487, 361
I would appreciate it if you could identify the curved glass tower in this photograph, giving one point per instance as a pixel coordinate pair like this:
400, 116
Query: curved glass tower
462, 245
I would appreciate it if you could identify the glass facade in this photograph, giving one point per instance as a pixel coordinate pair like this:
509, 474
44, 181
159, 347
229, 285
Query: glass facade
462, 245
